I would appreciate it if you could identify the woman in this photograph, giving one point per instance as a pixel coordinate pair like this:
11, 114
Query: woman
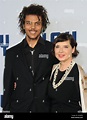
64, 88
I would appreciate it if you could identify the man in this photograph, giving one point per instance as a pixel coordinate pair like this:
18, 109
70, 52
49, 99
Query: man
28, 65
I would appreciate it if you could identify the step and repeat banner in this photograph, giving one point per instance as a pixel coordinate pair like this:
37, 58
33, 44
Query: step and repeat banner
65, 16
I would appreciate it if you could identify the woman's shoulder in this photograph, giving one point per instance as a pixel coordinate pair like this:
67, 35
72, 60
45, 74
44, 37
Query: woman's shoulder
81, 69
84, 76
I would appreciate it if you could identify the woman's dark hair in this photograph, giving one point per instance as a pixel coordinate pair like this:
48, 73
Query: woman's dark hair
65, 37
33, 9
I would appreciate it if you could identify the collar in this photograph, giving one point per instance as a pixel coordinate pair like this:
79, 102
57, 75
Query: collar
40, 41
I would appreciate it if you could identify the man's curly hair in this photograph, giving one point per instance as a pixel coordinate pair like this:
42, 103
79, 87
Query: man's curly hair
33, 9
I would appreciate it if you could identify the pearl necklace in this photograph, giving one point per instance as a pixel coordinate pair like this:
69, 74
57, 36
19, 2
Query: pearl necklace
63, 77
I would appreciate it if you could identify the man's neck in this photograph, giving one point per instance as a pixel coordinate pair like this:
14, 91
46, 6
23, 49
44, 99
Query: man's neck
32, 43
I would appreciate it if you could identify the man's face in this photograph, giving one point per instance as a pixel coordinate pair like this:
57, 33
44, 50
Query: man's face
33, 26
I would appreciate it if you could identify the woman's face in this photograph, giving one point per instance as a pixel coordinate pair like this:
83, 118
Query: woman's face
63, 51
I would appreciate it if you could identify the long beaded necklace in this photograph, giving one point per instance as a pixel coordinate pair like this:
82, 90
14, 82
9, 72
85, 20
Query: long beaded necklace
63, 77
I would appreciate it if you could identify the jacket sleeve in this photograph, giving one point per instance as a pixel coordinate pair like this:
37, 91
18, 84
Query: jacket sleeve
83, 89
7, 82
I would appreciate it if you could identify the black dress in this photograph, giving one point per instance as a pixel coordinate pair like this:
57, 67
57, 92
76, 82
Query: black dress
66, 97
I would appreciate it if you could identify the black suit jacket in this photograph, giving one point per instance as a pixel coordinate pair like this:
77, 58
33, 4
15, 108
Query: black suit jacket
30, 94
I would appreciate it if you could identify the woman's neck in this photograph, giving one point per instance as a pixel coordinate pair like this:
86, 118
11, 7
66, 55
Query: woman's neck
64, 65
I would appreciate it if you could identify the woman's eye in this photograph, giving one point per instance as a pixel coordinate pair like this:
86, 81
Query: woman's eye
57, 46
65, 46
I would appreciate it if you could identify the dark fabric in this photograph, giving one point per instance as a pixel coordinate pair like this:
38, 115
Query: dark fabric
66, 97
30, 94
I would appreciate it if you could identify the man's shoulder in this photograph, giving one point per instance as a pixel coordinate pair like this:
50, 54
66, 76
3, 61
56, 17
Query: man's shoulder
48, 43
13, 48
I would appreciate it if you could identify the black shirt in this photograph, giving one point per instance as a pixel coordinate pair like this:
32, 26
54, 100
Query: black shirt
66, 97
31, 54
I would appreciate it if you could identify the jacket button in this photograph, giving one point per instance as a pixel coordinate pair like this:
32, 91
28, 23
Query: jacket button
30, 89
17, 78
43, 78
32, 72
30, 67
17, 101
43, 101
55, 89
17, 56
56, 112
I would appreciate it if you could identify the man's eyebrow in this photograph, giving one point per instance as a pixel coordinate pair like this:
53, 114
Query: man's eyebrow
32, 22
